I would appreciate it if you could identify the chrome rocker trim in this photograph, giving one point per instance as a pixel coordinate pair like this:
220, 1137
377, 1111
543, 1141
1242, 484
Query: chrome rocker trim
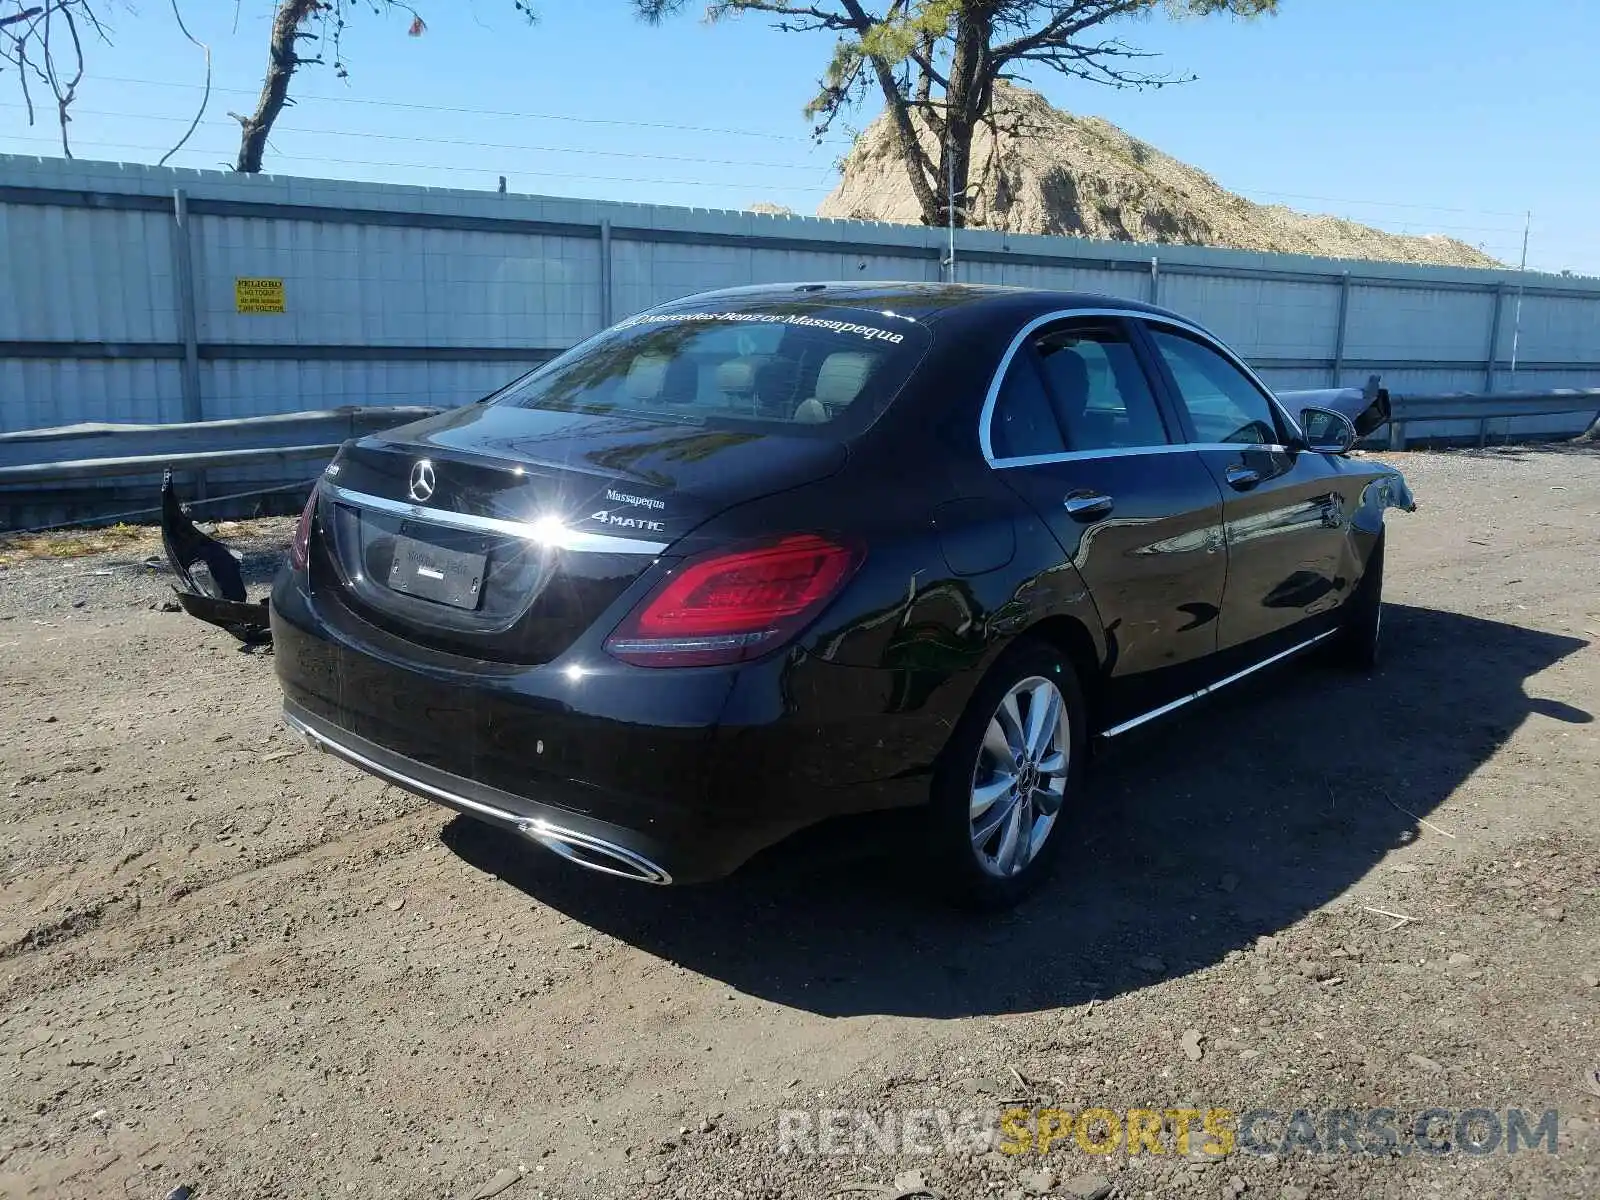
1213, 687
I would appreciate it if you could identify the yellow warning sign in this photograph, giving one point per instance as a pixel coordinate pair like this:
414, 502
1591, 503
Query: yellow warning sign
258, 295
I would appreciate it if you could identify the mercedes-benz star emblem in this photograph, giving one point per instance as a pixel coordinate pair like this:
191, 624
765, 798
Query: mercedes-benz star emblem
421, 479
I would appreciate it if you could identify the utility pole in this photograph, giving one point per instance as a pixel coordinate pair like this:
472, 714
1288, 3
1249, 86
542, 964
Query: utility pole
950, 202
1516, 321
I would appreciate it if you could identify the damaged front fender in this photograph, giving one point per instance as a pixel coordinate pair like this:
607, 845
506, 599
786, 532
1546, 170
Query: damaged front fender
1387, 490
209, 584
1397, 492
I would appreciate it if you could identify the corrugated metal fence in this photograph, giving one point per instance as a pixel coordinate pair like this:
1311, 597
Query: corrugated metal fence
123, 299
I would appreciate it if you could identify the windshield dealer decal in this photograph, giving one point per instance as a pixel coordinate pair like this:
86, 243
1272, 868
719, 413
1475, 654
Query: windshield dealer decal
869, 332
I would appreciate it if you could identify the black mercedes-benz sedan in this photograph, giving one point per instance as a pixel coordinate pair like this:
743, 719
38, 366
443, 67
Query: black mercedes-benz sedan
762, 557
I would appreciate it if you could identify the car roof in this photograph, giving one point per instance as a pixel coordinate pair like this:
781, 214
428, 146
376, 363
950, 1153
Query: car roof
927, 302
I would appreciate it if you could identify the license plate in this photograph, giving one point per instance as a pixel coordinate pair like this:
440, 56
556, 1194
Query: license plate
431, 572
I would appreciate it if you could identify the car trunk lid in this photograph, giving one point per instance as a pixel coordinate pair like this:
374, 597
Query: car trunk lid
504, 533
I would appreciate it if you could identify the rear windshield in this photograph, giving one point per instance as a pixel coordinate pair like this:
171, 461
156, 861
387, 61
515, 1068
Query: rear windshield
795, 365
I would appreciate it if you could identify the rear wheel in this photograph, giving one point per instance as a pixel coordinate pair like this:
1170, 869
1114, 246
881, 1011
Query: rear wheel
1359, 640
1006, 793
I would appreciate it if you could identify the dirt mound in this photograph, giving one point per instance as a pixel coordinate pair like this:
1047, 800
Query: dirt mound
1084, 177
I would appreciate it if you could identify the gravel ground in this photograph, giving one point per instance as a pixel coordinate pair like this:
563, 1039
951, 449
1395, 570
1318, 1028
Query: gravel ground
230, 964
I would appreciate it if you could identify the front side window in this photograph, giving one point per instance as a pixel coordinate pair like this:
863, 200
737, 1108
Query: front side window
800, 365
1222, 402
1101, 397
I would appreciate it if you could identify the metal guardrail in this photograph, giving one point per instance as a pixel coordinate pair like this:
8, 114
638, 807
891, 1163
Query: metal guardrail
145, 464
91, 473
1486, 407
1435, 407
95, 451
32, 459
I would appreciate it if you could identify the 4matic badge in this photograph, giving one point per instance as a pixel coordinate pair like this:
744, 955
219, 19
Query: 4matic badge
618, 521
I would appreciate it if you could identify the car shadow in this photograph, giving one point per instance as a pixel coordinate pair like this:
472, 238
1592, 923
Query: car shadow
1211, 830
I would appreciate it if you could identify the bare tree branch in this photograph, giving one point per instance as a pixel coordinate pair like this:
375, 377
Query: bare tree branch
1068, 23
824, 18
204, 99
25, 15
66, 92
322, 21
42, 41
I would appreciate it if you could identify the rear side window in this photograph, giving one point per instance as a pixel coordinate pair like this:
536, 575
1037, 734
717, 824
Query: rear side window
1023, 423
798, 365
1101, 397
1222, 402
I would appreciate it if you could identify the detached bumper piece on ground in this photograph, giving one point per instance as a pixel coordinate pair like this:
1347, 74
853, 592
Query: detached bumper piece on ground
215, 592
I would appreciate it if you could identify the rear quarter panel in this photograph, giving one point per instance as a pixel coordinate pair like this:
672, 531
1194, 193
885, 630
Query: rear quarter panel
956, 568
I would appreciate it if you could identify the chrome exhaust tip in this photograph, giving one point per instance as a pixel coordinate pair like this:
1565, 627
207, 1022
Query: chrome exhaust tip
594, 854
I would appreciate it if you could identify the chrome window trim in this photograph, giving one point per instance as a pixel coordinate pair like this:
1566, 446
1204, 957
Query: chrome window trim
1213, 687
545, 533
986, 417
1034, 460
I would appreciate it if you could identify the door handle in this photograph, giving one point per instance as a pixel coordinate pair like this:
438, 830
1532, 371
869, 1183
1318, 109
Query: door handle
1088, 504
1241, 477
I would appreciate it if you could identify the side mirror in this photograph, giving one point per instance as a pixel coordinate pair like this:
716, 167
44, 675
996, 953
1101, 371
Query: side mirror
1327, 431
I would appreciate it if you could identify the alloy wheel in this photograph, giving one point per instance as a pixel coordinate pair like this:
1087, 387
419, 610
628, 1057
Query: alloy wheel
1020, 778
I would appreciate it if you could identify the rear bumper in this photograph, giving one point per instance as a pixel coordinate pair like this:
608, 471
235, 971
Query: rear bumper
660, 776
590, 843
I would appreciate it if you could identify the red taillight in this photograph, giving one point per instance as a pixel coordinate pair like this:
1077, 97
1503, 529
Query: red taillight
729, 607
299, 549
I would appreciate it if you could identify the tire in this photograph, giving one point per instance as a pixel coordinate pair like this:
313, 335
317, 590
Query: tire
1359, 641
995, 870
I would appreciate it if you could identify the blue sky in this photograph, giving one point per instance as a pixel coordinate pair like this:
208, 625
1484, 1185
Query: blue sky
1416, 115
